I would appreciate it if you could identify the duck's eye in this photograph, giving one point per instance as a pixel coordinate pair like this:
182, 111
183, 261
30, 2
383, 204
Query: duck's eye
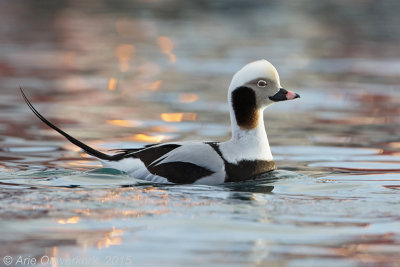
261, 83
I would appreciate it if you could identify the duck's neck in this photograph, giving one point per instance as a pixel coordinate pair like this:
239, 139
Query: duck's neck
243, 133
247, 143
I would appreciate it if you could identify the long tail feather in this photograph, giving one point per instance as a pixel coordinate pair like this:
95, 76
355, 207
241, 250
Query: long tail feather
76, 142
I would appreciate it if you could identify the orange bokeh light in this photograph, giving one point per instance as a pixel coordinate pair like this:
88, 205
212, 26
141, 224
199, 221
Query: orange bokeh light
112, 84
124, 52
177, 117
395, 144
166, 46
164, 129
147, 138
124, 123
71, 220
155, 85
188, 98
172, 57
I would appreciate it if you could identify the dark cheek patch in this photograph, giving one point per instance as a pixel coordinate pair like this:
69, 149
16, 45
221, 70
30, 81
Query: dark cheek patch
245, 107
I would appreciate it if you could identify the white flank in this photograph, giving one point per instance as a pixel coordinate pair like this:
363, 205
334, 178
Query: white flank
135, 168
196, 153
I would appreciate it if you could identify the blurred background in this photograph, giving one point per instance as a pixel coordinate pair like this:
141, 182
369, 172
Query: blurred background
120, 63
125, 73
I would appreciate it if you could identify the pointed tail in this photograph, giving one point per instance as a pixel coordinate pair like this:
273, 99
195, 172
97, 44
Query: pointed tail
76, 142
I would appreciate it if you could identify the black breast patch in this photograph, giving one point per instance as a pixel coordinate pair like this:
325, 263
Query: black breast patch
245, 169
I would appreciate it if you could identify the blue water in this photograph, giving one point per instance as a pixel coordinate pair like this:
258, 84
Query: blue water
125, 74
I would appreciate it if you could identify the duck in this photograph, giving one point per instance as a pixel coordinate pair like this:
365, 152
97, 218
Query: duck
245, 156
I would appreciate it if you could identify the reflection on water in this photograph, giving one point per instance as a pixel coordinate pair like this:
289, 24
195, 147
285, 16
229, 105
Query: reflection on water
123, 74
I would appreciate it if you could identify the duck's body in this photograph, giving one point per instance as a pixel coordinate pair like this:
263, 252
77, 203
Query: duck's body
187, 162
246, 155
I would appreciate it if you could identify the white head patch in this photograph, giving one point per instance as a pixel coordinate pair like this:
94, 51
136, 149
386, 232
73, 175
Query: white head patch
257, 69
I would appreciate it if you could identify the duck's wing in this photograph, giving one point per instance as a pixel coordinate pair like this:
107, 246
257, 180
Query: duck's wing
181, 163
125, 151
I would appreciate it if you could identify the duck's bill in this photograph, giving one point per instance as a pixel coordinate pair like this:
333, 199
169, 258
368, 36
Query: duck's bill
283, 95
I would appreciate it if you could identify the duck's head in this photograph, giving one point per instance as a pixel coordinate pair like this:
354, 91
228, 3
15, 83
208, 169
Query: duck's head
253, 88
261, 79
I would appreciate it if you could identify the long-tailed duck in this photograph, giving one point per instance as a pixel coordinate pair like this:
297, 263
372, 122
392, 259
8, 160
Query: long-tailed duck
244, 156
